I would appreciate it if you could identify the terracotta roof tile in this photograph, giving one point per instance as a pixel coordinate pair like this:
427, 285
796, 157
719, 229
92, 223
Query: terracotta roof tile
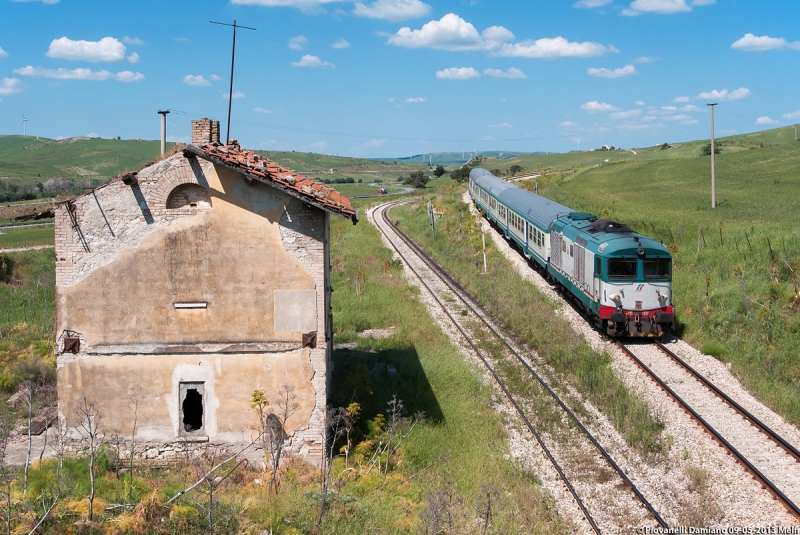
250, 163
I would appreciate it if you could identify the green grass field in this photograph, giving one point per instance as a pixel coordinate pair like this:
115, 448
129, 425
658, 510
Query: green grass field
30, 160
27, 237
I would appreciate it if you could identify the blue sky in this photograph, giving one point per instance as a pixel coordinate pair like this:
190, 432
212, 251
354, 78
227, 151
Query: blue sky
398, 77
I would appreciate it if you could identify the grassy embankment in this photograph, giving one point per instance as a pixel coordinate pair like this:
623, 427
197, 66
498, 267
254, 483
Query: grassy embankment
449, 459
530, 315
736, 266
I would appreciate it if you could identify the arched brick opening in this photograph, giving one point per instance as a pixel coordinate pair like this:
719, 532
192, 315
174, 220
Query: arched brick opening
188, 196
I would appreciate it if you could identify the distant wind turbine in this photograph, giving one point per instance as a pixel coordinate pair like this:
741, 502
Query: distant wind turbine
24, 125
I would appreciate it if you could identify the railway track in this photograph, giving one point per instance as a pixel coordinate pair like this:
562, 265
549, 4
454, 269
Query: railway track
471, 322
765, 455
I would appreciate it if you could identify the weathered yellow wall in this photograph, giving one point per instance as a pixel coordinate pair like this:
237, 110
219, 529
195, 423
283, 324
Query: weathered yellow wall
230, 256
118, 278
109, 382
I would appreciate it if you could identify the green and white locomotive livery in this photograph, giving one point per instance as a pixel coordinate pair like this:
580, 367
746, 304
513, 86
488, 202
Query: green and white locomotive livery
620, 278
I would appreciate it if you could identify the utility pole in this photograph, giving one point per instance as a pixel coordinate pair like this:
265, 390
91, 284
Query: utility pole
795, 132
233, 58
163, 114
713, 151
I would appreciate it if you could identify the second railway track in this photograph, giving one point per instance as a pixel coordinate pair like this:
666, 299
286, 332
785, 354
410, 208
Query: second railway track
770, 459
618, 492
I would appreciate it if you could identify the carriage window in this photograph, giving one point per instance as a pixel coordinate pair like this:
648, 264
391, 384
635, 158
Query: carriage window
657, 268
597, 266
570, 251
564, 246
621, 269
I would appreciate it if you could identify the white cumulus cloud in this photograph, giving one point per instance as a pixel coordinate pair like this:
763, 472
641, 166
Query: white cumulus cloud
3, 53
215, 78
298, 43
512, 73
586, 4
457, 73
106, 49
261, 110
639, 102
132, 41
766, 120
630, 114
738, 94
415, 100
501, 125
393, 10
236, 95
622, 72
792, 115
752, 43
42, 1
197, 80
79, 74
552, 48
662, 7
341, 43
302, 4
133, 58
486, 138
10, 86
453, 33
598, 107
311, 61
129, 76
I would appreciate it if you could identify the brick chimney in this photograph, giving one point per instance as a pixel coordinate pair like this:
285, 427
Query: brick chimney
205, 131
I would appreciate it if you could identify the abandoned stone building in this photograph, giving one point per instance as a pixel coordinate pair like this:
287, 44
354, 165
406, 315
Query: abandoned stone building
197, 280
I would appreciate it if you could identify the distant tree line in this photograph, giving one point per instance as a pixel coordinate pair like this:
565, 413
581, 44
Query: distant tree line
12, 192
347, 180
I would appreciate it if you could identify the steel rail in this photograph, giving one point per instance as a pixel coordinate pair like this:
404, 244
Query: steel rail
459, 291
775, 437
755, 472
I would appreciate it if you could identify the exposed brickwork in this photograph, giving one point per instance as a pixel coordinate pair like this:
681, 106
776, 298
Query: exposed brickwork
205, 131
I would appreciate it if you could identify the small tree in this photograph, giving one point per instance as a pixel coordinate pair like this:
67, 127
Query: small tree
352, 414
514, 169
272, 430
439, 171
335, 427
418, 179
89, 421
706, 150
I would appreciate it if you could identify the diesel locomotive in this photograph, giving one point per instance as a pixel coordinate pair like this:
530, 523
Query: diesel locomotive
622, 279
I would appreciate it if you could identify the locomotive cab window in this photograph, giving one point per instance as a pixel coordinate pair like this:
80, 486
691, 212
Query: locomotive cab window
597, 265
657, 268
621, 269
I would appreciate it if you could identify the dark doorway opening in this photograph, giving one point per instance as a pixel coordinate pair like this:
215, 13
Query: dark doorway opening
192, 410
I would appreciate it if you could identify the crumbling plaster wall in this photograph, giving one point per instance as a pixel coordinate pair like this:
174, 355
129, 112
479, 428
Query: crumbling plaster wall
129, 259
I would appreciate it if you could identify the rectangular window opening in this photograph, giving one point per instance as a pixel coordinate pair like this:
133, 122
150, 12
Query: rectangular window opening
192, 395
198, 304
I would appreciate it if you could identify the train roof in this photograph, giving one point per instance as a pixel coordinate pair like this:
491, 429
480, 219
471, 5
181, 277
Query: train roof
608, 237
537, 209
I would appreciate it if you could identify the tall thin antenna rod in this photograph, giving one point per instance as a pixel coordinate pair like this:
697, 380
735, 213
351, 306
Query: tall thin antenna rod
713, 150
233, 58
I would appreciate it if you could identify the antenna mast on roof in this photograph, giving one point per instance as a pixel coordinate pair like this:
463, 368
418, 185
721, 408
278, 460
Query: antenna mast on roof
233, 57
